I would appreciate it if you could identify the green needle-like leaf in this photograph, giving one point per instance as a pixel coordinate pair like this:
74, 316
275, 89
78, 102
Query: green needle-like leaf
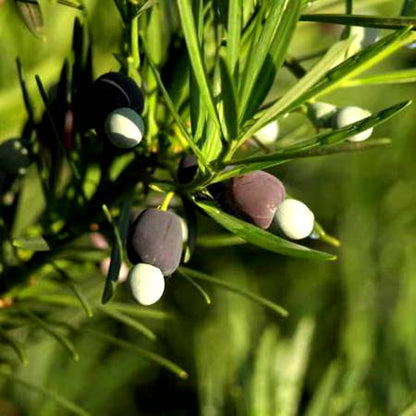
50, 394
357, 20
235, 8
171, 106
324, 143
197, 286
32, 243
403, 76
235, 289
195, 56
135, 310
133, 323
63, 340
148, 355
21, 353
261, 238
334, 78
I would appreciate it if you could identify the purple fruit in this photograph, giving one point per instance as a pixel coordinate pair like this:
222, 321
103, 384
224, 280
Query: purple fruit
156, 238
255, 197
188, 166
114, 90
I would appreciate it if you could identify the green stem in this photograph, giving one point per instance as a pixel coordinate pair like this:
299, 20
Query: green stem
134, 42
166, 201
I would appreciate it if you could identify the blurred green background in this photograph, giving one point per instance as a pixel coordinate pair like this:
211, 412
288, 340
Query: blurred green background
349, 344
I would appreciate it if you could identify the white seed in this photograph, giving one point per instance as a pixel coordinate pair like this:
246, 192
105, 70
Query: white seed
295, 219
349, 115
124, 128
184, 229
147, 283
321, 113
268, 134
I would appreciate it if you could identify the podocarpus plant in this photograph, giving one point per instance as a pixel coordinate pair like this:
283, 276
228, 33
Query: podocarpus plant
207, 71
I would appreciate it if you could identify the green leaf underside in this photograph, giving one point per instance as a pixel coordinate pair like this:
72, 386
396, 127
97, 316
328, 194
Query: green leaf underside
235, 289
261, 238
360, 20
148, 355
330, 80
33, 243
62, 401
324, 143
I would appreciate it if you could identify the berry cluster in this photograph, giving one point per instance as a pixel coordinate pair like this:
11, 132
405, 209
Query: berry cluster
325, 115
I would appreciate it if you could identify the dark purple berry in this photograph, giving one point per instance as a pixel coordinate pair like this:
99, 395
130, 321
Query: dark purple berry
188, 166
255, 196
114, 90
156, 238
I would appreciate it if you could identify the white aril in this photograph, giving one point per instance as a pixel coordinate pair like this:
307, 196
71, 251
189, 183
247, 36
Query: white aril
295, 219
320, 113
184, 229
268, 134
147, 283
124, 128
349, 115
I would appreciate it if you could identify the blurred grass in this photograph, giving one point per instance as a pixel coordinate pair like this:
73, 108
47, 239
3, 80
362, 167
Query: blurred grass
348, 346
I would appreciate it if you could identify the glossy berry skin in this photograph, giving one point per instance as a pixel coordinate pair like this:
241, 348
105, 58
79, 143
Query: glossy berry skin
124, 128
147, 283
295, 219
14, 157
255, 196
114, 90
156, 238
349, 115
188, 167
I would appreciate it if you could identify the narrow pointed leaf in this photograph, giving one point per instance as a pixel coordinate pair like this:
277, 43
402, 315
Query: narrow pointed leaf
234, 27
31, 14
140, 312
63, 340
353, 66
133, 323
148, 355
360, 20
235, 289
25, 93
175, 114
409, 8
228, 101
197, 287
117, 251
32, 243
18, 349
195, 56
47, 392
275, 56
261, 238
403, 76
